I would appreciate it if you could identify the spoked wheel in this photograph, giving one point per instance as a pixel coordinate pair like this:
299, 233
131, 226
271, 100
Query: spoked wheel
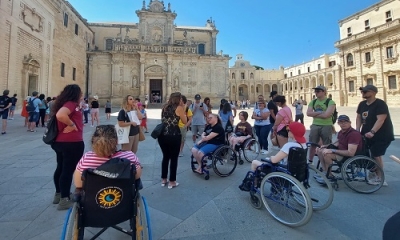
251, 150
282, 195
224, 161
70, 229
255, 199
363, 174
321, 194
143, 229
193, 164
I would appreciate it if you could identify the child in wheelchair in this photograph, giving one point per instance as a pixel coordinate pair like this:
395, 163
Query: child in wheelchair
258, 168
104, 147
242, 131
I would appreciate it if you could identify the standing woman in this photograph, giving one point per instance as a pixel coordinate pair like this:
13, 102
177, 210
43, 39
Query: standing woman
170, 139
283, 119
226, 115
130, 115
25, 113
108, 109
94, 111
69, 144
42, 110
207, 102
262, 125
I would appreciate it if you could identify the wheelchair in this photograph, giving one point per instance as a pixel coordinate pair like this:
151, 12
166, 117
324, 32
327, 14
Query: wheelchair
286, 192
105, 202
356, 171
249, 148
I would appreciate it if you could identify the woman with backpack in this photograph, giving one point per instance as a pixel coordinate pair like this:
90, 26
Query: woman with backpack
42, 110
68, 145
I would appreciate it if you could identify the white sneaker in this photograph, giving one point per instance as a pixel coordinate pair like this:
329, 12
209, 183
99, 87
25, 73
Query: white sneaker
264, 152
377, 181
180, 154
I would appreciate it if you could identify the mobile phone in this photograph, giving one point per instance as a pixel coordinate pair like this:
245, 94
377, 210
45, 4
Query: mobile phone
201, 105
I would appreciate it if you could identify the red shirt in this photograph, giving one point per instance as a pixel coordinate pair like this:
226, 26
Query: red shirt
351, 136
76, 117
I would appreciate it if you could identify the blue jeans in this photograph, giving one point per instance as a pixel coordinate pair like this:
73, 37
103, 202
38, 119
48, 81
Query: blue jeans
262, 135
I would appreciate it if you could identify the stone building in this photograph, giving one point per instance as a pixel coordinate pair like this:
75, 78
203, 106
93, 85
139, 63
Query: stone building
368, 54
43, 46
156, 57
247, 82
369, 51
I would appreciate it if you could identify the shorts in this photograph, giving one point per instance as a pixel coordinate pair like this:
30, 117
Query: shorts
197, 129
108, 110
206, 148
12, 108
318, 132
283, 133
33, 116
143, 122
183, 133
4, 114
378, 148
94, 110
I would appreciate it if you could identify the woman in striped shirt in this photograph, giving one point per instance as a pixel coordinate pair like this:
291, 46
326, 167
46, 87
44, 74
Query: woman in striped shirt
104, 145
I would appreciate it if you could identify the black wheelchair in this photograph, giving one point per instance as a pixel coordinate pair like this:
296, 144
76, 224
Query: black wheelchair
357, 171
249, 148
104, 202
285, 190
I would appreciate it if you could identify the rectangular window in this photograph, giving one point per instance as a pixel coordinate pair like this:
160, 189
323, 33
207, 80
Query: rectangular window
242, 75
74, 74
370, 81
76, 29
349, 31
299, 71
308, 69
389, 52
285, 75
319, 66
332, 63
351, 86
367, 57
366, 23
392, 82
291, 74
62, 70
65, 20
388, 15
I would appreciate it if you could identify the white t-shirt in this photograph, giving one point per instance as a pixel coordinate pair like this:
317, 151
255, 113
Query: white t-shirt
287, 147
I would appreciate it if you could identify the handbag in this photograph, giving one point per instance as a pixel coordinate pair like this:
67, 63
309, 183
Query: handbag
141, 135
122, 134
157, 131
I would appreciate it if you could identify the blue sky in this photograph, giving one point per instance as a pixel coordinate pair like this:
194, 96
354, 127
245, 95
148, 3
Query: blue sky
268, 33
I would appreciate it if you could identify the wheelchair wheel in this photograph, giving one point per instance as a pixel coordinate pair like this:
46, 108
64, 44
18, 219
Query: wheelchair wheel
70, 229
143, 230
251, 149
224, 161
358, 171
321, 195
280, 193
255, 199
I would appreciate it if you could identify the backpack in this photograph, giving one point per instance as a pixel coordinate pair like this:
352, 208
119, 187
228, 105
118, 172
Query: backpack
334, 114
30, 107
51, 132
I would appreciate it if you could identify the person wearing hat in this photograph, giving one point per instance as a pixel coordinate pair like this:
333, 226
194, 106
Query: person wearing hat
296, 133
374, 122
199, 111
321, 110
349, 143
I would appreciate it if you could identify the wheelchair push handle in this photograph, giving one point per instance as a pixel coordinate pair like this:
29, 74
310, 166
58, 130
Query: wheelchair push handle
311, 144
394, 158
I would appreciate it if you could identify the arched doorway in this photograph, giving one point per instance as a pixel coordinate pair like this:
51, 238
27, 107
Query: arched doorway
243, 91
31, 75
156, 86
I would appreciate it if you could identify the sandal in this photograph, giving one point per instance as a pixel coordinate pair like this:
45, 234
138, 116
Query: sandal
173, 186
199, 171
164, 183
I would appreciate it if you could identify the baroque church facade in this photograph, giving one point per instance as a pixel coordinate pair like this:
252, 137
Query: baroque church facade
156, 57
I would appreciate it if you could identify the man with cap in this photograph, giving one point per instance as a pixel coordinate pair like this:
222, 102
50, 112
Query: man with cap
296, 133
349, 143
373, 121
321, 110
198, 120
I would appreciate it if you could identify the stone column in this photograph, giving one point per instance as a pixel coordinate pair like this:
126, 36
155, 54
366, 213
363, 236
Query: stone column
214, 43
142, 90
169, 79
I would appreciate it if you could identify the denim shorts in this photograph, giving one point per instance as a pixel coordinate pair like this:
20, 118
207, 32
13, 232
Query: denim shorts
33, 116
206, 148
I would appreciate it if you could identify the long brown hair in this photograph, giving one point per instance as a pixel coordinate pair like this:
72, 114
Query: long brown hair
125, 103
174, 100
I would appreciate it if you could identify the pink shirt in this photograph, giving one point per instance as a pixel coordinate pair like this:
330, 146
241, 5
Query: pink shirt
286, 114
76, 117
91, 160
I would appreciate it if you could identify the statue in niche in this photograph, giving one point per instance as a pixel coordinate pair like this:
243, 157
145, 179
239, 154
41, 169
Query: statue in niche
135, 83
176, 82
185, 34
157, 35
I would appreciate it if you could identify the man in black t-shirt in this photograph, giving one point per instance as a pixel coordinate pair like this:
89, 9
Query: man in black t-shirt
273, 109
373, 119
5, 104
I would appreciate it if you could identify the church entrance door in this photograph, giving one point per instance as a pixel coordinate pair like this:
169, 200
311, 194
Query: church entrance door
156, 90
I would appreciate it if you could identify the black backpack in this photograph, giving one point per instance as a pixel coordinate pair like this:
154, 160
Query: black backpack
51, 132
30, 107
334, 114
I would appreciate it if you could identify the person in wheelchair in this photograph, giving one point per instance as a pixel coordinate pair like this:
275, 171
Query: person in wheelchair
349, 143
104, 145
296, 132
242, 131
212, 137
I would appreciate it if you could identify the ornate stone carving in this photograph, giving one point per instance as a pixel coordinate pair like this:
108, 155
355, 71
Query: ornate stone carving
31, 18
156, 6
